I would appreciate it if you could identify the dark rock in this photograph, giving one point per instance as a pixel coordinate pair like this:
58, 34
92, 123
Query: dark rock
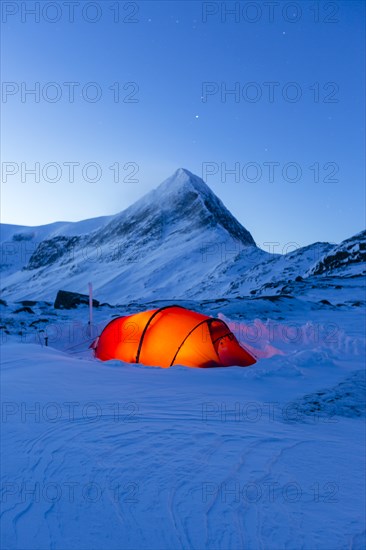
275, 298
23, 236
325, 302
299, 279
26, 309
51, 250
70, 300
3, 303
350, 251
34, 323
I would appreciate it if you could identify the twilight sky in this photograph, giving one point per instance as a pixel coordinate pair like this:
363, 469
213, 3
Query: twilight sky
264, 100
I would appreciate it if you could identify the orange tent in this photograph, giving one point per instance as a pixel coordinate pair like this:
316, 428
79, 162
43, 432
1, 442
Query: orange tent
171, 335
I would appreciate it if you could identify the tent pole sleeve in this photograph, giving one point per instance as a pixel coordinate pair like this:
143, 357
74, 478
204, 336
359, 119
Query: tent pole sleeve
147, 326
185, 339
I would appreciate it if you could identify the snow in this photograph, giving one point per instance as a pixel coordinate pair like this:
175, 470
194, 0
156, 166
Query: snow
125, 456
344, 259
177, 241
134, 253
179, 458
132, 457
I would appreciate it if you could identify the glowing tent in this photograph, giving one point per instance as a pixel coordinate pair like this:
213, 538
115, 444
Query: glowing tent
169, 336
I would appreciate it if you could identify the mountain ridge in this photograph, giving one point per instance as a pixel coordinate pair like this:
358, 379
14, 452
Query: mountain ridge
177, 240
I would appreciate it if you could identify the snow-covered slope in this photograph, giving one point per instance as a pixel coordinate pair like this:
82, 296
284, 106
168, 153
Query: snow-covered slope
177, 242
19, 243
165, 243
128, 457
253, 273
347, 259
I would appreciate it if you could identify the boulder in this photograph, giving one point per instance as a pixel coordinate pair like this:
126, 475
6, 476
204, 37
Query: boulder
71, 300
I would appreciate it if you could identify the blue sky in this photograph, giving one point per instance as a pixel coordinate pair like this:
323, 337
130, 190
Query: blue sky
173, 62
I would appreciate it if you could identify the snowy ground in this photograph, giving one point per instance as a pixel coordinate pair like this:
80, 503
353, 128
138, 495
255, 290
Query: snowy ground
115, 456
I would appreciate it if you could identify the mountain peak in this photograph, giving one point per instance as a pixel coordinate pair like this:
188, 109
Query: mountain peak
186, 204
183, 179
180, 172
191, 198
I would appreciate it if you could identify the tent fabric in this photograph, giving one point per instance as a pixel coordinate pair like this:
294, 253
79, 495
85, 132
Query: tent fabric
171, 335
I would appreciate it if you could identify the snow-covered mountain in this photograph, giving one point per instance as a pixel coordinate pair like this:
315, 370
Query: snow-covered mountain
226, 458
347, 258
178, 241
168, 240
